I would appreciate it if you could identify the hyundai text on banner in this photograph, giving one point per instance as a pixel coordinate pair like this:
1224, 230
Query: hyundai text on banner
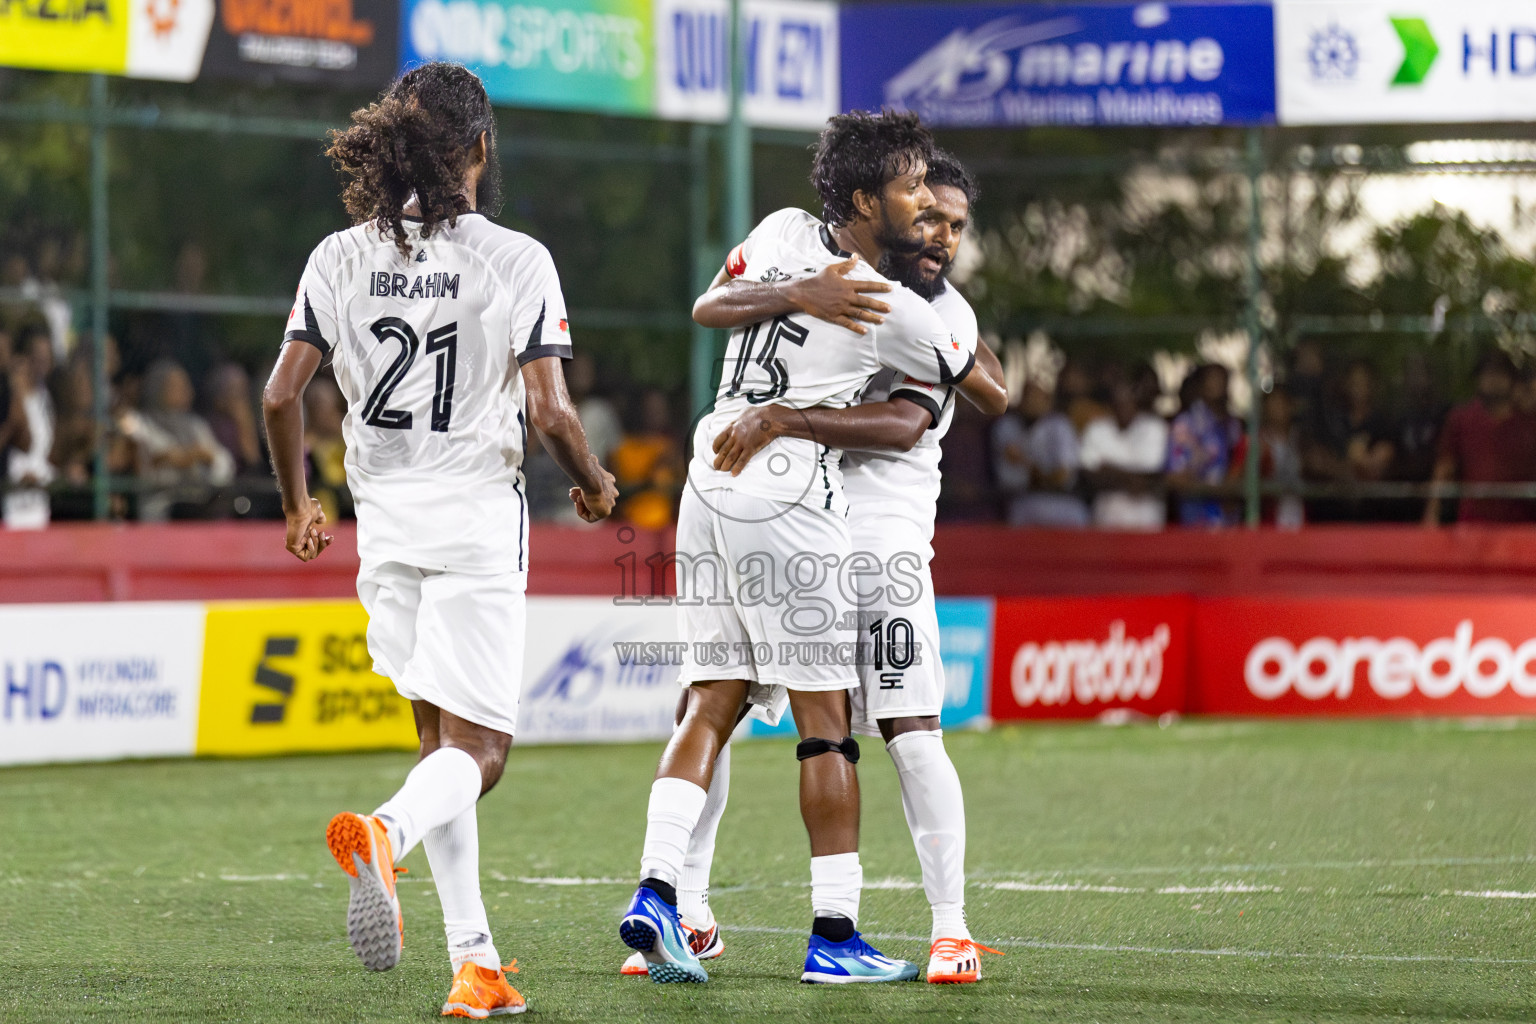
791, 74
337, 42
289, 677
1372, 62
97, 682
565, 54
1443, 655
1089, 64
1079, 657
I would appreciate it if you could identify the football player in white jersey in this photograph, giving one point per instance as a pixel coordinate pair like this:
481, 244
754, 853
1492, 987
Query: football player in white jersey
891, 477
446, 333
763, 554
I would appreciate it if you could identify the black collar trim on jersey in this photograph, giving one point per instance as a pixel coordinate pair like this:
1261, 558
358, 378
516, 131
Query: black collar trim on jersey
831, 244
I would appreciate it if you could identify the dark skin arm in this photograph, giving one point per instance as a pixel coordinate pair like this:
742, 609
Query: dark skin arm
829, 295
893, 425
552, 413
983, 386
282, 405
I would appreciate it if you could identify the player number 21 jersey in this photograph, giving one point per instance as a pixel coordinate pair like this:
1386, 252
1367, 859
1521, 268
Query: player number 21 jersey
427, 351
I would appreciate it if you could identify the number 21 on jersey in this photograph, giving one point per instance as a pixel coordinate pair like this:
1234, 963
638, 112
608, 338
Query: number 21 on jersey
442, 343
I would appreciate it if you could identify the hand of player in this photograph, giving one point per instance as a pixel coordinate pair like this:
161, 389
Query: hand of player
592, 506
305, 538
749, 434
833, 296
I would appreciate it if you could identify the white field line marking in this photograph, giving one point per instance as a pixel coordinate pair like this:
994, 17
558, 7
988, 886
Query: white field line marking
1499, 894
1055, 887
1322, 865
264, 878
1094, 947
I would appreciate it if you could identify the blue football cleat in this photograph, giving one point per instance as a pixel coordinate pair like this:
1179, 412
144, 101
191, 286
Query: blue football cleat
843, 963
650, 926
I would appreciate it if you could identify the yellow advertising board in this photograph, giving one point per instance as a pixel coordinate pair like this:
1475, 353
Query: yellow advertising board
65, 35
285, 677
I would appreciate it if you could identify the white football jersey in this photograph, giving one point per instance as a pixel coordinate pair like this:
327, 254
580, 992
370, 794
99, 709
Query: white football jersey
907, 483
801, 362
426, 351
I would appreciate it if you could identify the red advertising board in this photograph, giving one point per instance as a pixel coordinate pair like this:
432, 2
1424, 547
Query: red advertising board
1077, 657
1432, 655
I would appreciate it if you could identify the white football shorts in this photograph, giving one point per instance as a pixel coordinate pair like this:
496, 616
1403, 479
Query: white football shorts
759, 598
901, 673
452, 639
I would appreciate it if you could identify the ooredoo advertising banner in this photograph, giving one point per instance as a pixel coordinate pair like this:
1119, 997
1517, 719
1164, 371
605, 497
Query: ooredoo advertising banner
1064, 64
339, 42
1374, 62
1078, 657
99, 682
1442, 655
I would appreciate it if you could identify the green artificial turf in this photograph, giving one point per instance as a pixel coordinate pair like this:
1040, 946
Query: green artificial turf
1208, 871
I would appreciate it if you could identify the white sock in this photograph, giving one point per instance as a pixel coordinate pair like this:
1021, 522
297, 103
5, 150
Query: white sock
669, 822
453, 850
693, 890
442, 786
935, 807
836, 883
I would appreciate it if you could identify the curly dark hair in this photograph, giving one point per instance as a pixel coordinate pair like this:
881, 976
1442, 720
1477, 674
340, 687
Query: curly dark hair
945, 169
861, 151
417, 140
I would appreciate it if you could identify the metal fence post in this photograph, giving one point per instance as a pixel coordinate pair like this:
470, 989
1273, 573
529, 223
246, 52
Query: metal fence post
1253, 288
101, 411
702, 351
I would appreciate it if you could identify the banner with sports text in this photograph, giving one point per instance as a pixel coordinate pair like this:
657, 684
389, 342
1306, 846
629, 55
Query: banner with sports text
1439, 655
1079, 657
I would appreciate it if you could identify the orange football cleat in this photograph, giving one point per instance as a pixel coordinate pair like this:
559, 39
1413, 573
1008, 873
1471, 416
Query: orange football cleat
482, 992
375, 927
955, 961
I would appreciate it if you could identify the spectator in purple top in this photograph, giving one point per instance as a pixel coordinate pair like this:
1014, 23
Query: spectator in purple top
1201, 443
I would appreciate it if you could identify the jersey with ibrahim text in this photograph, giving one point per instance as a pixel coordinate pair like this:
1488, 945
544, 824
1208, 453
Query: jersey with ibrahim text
427, 351
906, 483
799, 361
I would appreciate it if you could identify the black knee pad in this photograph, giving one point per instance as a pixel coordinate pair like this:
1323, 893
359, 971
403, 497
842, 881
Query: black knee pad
815, 747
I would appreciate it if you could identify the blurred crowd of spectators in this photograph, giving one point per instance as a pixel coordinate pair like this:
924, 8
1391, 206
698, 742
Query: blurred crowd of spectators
1102, 446
1094, 450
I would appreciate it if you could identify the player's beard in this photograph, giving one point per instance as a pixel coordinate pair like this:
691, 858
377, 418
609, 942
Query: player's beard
488, 191
906, 269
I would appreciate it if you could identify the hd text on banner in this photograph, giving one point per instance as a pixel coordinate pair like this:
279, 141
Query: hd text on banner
96, 682
1378, 62
1079, 64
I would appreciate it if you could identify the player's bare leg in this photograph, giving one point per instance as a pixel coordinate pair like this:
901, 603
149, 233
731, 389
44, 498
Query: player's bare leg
693, 910
935, 808
678, 794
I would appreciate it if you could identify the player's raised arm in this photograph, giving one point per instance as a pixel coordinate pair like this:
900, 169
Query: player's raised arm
552, 413
894, 425
829, 295
282, 406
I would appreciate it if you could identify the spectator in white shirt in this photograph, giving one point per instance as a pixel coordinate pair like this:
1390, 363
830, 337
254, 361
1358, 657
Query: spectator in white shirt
1036, 462
1123, 456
